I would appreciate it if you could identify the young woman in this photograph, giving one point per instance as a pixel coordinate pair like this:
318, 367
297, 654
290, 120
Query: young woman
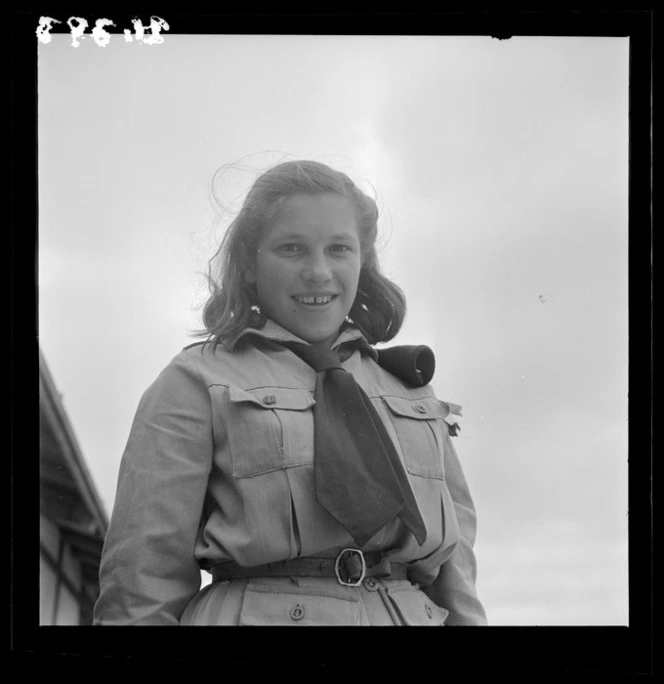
313, 476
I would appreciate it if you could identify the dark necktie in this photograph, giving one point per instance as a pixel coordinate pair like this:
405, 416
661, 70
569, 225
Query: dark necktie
359, 477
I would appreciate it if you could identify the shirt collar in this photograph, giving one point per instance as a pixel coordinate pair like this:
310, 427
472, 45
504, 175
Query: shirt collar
275, 332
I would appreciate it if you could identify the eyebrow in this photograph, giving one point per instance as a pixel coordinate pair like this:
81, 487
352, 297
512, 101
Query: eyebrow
299, 236
345, 236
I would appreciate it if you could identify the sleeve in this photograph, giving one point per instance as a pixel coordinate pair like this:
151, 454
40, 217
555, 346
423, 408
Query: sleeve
148, 571
455, 586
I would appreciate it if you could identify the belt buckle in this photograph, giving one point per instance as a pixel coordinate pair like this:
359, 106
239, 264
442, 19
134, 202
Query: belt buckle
363, 572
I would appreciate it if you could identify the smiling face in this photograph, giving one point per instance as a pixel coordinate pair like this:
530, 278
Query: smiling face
308, 266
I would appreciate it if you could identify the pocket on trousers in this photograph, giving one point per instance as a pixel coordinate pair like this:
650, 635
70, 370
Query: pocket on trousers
264, 607
417, 609
269, 428
418, 424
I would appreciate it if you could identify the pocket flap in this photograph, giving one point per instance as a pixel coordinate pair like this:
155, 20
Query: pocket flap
426, 408
417, 608
261, 607
273, 397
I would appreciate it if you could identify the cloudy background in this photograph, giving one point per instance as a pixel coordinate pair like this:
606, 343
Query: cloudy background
501, 169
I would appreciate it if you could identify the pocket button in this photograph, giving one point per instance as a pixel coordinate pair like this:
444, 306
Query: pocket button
269, 399
297, 612
420, 408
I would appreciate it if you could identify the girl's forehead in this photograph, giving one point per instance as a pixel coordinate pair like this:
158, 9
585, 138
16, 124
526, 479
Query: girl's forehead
314, 212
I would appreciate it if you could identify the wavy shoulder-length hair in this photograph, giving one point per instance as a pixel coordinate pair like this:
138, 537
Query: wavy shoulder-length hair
379, 307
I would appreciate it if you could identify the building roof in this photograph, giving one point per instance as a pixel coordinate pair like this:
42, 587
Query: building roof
68, 494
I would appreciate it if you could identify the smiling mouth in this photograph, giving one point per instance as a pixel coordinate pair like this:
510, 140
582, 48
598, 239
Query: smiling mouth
315, 301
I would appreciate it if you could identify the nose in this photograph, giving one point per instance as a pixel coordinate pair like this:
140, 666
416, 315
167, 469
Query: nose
317, 268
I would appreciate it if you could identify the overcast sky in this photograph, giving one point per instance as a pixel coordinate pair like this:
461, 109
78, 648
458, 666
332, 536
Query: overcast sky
501, 170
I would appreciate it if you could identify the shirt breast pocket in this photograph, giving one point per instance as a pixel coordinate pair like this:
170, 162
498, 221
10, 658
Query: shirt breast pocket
418, 424
269, 429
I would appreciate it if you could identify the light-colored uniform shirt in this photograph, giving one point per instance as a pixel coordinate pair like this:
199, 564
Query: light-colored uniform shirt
219, 466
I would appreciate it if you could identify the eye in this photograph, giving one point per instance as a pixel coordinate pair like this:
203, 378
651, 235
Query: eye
340, 248
290, 247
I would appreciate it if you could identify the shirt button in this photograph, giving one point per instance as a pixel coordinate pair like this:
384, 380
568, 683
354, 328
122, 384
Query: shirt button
269, 399
427, 607
420, 408
297, 612
370, 583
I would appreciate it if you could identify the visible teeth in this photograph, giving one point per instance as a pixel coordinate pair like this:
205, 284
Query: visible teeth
314, 300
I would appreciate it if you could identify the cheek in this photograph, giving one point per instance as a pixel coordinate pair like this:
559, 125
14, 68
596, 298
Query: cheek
353, 278
267, 276
273, 282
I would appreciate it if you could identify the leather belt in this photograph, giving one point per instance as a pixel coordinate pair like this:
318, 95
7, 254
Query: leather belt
350, 567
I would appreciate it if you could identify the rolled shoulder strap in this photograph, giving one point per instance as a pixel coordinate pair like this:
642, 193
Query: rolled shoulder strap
414, 364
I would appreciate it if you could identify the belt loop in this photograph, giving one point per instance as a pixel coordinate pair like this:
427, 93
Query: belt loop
390, 607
